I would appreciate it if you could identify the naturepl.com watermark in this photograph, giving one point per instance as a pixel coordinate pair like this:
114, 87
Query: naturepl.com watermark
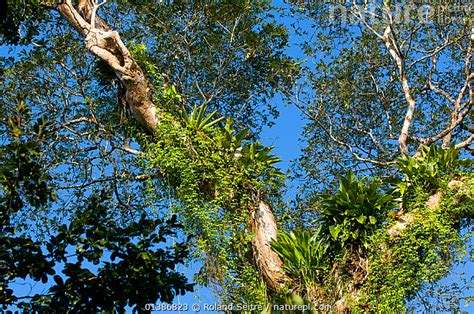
215, 307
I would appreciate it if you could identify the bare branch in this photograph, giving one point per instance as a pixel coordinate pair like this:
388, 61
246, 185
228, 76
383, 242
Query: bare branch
465, 143
358, 14
434, 88
94, 11
469, 75
78, 120
120, 176
430, 54
448, 130
348, 146
392, 46
129, 150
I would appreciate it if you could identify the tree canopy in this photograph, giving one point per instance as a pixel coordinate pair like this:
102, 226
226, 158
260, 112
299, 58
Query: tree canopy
380, 69
126, 125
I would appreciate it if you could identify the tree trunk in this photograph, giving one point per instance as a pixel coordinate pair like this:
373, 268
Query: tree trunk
107, 45
269, 264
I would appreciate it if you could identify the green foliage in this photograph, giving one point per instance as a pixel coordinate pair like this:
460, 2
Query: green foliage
15, 14
23, 180
198, 121
229, 54
133, 269
224, 54
145, 271
164, 93
352, 91
215, 173
291, 302
347, 221
303, 255
134, 265
255, 157
350, 216
431, 168
258, 154
423, 254
355, 247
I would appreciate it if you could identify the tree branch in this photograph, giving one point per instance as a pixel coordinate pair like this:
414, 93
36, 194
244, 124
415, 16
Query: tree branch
434, 88
107, 45
465, 143
95, 7
391, 44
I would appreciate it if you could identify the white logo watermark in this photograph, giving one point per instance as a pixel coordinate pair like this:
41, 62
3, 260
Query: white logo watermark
418, 11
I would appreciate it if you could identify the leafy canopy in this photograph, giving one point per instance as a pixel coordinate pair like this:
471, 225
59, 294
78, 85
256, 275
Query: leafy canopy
392, 256
135, 267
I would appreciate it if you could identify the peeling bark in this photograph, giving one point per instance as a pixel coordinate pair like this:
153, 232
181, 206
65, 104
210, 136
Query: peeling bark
107, 45
269, 264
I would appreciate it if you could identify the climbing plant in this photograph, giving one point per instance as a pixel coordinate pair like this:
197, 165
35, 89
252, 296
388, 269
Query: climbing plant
143, 110
215, 173
377, 250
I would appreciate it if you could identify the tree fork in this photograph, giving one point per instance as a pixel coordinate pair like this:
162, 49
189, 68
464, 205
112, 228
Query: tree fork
107, 45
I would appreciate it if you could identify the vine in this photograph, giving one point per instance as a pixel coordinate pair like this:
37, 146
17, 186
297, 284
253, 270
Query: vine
423, 253
368, 254
215, 173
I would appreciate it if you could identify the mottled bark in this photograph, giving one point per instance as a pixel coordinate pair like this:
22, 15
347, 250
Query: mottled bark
107, 45
269, 264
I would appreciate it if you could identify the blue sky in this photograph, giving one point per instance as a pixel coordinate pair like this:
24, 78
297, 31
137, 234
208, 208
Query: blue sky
284, 135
